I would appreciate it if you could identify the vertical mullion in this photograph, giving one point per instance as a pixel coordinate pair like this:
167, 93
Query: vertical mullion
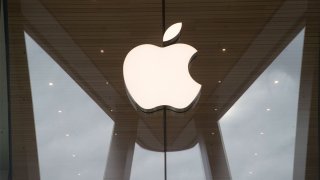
5, 157
165, 141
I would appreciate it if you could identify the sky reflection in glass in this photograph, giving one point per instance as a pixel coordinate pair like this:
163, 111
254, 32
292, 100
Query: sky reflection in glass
259, 129
73, 133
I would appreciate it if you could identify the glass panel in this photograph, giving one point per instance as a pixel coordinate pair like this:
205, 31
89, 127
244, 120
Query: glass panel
186, 164
73, 133
259, 129
147, 164
235, 41
4, 130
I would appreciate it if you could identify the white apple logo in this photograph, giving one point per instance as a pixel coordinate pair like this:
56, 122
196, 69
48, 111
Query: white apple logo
159, 76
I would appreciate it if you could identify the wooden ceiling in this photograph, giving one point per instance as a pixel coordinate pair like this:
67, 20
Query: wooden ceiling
118, 26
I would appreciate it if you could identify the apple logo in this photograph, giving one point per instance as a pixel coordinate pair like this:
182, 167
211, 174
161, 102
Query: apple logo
157, 77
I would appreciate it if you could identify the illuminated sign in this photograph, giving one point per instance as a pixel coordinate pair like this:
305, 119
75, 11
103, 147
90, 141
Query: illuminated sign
159, 76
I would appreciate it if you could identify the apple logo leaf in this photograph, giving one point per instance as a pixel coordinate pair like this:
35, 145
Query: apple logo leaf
172, 34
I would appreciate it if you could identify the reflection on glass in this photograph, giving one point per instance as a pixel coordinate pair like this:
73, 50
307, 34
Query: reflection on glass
259, 130
185, 165
73, 133
147, 164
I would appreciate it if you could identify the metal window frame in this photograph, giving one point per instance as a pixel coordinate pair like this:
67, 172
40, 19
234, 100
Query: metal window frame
5, 139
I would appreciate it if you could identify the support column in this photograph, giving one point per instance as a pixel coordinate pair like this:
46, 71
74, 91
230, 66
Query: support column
306, 157
212, 150
121, 152
24, 148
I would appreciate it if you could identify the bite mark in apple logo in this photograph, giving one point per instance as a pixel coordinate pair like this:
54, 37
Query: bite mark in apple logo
157, 77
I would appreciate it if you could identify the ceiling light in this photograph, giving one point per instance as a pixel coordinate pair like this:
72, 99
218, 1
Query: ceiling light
73, 155
212, 133
276, 82
50, 84
216, 109
219, 82
261, 133
101, 51
107, 83
79, 174
59, 111
67, 135
268, 109
224, 49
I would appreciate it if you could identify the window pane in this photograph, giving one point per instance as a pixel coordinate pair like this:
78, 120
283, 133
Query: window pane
73, 133
186, 164
147, 164
259, 129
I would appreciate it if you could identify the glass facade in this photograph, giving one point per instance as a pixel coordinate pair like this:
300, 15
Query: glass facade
73, 133
269, 111
68, 115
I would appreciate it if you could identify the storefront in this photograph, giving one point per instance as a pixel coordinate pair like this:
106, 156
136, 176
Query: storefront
242, 103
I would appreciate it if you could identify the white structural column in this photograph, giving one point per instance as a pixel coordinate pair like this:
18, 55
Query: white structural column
121, 151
